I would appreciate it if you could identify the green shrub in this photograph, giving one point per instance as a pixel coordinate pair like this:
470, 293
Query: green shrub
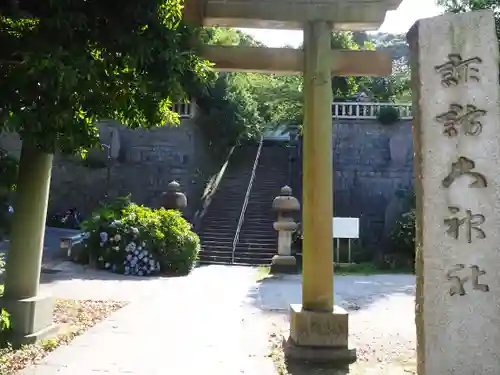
361, 254
135, 240
403, 234
5, 324
388, 115
5, 218
8, 177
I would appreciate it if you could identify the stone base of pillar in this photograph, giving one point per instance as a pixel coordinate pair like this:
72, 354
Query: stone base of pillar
31, 319
319, 337
284, 264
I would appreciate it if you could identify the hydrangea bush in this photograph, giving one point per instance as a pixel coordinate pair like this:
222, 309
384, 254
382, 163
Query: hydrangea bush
126, 238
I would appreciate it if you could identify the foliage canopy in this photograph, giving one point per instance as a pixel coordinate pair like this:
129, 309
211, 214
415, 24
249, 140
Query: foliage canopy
66, 64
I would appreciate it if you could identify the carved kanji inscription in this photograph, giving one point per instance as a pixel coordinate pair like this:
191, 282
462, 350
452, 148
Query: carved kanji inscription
456, 70
457, 287
464, 117
464, 167
471, 224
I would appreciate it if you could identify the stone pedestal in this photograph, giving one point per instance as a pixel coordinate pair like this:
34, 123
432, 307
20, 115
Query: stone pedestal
319, 337
31, 319
284, 264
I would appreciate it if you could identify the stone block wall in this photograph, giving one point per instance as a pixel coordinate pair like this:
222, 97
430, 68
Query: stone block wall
372, 164
146, 162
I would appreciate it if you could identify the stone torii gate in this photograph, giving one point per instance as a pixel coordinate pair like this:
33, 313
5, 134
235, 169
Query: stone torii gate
319, 331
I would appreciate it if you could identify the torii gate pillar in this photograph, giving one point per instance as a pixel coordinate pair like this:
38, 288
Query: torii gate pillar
318, 330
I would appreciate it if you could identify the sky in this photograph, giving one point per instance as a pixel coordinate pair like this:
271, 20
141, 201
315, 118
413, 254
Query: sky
396, 21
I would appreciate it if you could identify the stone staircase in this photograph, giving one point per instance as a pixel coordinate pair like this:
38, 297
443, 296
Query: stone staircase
218, 226
257, 239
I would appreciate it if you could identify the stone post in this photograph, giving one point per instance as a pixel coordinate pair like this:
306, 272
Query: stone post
31, 313
285, 205
318, 332
173, 198
454, 63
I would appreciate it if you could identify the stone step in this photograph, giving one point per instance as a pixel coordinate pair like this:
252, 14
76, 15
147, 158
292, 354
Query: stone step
260, 217
209, 262
264, 249
258, 220
215, 230
209, 244
221, 212
232, 193
264, 211
211, 253
258, 236
252, 261
216, 237
224, 208
266, 242
262, 227
219, 259
260, 241
216, 250
215, 226
237, 261
223, 218
245, 238
258, 226
265, 235
256, 242
219, 232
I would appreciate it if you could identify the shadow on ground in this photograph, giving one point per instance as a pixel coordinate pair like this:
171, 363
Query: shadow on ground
293, 368
352, 292
66, 270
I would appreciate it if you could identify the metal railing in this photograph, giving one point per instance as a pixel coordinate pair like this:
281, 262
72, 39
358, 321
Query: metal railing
245, 202
210, 190
360, 110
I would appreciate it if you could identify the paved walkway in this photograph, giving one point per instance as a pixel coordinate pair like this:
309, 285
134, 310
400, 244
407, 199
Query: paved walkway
218, 320
200, 324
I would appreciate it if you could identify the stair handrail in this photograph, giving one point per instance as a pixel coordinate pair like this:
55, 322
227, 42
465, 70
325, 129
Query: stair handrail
245, 202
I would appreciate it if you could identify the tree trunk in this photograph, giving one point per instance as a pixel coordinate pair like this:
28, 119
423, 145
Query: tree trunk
24, 258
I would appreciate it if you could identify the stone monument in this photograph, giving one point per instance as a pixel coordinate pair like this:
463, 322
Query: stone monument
285, 205
454, 61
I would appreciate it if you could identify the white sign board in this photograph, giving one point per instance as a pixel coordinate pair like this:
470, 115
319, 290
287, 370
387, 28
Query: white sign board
345, 227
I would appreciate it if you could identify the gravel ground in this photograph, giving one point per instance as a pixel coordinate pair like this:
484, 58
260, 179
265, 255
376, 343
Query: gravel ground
73, 317
381, 319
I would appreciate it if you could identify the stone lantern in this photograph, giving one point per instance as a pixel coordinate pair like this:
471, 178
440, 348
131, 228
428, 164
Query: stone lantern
173, 198
285, 205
